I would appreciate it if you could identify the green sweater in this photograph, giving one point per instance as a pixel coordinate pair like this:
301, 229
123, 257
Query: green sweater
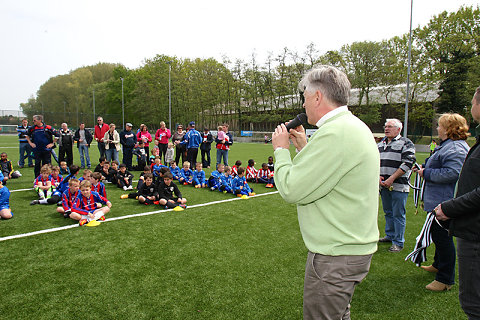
334, 182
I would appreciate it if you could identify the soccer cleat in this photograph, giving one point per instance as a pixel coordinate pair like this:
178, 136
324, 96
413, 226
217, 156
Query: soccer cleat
251, 193
34, 202
184, 206
124, 196
239, 195
125, 188
82, 222
269, 185
212, 188
156, 202
244, 197
67, 214
185, 183
102, 218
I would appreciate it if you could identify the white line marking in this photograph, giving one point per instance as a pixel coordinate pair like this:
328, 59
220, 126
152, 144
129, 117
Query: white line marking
20, 190
29, 234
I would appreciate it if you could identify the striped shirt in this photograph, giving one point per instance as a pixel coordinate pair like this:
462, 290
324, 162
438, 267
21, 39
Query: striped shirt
398, 153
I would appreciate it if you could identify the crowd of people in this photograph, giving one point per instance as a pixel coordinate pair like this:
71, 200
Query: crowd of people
338, 195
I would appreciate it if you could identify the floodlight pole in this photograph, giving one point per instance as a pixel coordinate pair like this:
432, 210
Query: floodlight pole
169, 96
123, 108
408, 72
94, 108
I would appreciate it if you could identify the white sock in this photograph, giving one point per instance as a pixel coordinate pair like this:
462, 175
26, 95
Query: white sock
43, 201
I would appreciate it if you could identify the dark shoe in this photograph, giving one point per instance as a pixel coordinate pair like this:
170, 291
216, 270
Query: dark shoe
431, 269
395, 248
384, 239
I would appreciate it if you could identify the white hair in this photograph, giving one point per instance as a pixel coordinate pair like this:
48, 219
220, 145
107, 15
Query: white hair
397, 123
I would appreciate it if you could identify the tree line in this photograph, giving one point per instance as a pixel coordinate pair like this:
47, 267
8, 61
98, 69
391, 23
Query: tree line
257, 95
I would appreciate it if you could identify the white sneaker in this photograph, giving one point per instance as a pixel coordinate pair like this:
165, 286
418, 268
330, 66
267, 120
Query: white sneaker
130, 188
125, 188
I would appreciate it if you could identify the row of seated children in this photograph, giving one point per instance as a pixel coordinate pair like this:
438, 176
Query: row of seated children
82, 206
264, 175
222, 180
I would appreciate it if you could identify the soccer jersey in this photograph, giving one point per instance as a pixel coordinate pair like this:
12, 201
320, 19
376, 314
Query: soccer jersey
251, 173
41, 181
198, 177
56, 181
4, 198
239, 182
226, 182
187, 174
156, 169
6, 167
234, 171
41, 136
100, 189
264, 174
167, 192
68, 198
84, 206
175, 172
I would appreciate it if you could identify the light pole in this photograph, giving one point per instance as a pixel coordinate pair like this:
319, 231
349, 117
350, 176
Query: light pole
169, 96
408, 72
64, 112
94, 108
123, 111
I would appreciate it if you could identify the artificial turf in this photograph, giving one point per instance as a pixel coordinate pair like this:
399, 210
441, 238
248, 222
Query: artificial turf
241, 259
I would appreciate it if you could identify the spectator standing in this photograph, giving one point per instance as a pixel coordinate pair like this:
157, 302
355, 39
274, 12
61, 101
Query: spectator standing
335, 190
83, 138
205, 147
192, 140
145, 136
180, 149
397, 156
223, 146
100, 130
128, 140
41, 138
112, 143
162, 135
65, 144
464, 214
25, 147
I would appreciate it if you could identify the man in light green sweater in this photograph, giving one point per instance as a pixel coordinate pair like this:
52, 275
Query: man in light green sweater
333, 179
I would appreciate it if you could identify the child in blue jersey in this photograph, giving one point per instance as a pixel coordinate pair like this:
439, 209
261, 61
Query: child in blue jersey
214, 181
68, 197
5, 211
56, 197
55, 176
88, 205
186, 173
198, 179
97, 185
157, 165
64, 170
240, 185
226, 181
43, 184
174, 170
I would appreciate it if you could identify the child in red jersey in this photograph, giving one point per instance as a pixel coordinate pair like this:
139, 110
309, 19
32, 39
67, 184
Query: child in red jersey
43, 184
55, 176
97, 185
264, 175
88, 205
234, 168
68, 197
251, 174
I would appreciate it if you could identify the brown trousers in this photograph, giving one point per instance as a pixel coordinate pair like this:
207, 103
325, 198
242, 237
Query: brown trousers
329, 284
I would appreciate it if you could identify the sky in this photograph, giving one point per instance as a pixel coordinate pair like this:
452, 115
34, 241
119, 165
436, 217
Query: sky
43, 39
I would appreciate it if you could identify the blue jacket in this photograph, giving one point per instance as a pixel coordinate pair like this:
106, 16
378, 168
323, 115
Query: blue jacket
192, 139
199, 177
175, 172
441, 172
240, 182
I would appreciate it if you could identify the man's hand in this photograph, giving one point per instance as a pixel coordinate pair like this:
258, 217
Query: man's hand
280, 138
298, 137
439, 213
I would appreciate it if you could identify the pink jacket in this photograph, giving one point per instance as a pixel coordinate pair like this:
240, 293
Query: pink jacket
165, 135
147, 135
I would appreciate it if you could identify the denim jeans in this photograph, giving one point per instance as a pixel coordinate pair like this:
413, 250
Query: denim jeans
111, 154
395, 220
25, 148
223, 153
444, 259
469, 276
83, 149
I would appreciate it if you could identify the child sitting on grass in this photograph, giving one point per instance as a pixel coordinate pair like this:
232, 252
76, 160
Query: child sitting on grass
97, 185
43, 184
87, 174
107, 173
62, 186
88, 205
6, 168
99, 166
64, 170
175, 170
198, 178
169, 195
141, 179
264, 175
270, 164
186, 174
226, 181
240, 185
234, 169
55, 176
147, 193
124, 178
157, 165
214, 180
68, 197
251, 175
5, 211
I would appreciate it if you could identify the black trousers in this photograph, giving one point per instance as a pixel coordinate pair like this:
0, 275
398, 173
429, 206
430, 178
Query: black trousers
66, 154
180, 152
41, 158
206, 158
127, 157
192, 157
163, 150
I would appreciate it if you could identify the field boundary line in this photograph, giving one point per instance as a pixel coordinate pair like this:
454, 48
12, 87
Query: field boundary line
34, 233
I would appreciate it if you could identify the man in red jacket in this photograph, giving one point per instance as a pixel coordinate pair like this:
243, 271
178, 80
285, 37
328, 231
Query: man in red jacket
100, 130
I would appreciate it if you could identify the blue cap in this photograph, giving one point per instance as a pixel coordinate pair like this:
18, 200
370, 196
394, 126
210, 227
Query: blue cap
192, 123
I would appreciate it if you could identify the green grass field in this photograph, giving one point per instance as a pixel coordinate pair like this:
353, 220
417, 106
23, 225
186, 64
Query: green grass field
241, 259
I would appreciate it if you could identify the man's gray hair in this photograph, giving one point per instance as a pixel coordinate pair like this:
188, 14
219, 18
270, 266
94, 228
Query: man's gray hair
38, 117
330, 81
397, 123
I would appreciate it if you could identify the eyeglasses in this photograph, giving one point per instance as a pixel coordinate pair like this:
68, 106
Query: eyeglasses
99, 120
